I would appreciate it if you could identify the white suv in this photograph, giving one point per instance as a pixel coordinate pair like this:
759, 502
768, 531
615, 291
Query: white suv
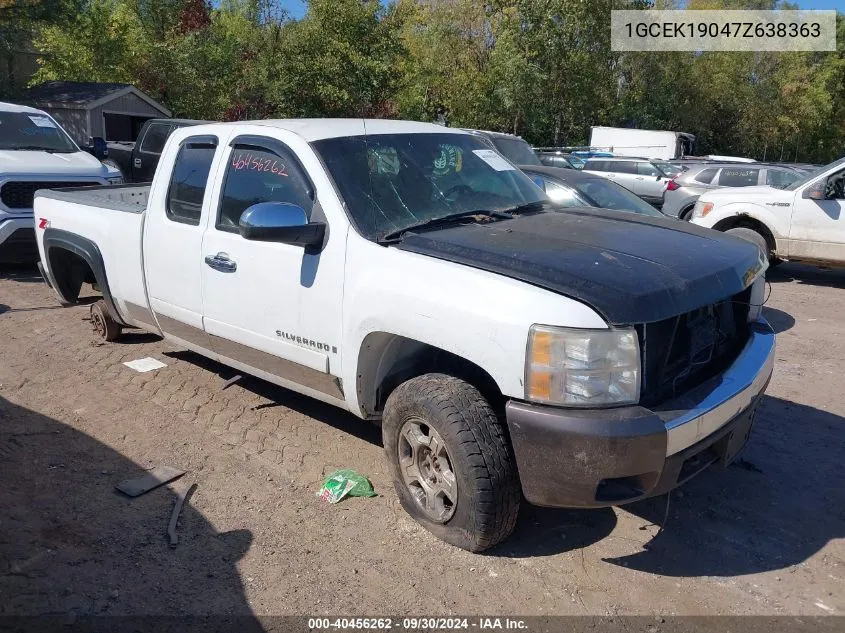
646, 178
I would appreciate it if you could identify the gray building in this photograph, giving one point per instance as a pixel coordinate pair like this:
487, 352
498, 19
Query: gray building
114, 112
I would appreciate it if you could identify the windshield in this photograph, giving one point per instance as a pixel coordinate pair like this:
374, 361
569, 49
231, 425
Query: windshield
392, 181
608, 195
813, 174
667, 168
516, 150
32, 131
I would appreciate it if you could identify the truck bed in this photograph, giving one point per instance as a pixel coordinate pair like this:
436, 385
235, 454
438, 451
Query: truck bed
106, 221
129, 198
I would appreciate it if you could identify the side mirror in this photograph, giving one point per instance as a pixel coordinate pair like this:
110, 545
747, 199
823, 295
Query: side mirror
280, 222
658, 178
537, 180
99, 148
816, 192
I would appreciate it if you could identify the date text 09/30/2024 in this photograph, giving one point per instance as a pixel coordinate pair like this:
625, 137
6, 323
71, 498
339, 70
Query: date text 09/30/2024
415, 624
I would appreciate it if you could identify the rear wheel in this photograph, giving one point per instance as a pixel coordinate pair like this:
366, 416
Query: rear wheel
105, 327
451, 461
750, 235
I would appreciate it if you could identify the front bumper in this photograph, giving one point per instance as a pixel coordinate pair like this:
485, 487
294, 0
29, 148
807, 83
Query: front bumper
601, 457
17, 241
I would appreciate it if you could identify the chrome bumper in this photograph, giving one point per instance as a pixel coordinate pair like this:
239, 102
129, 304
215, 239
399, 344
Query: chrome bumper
708, 407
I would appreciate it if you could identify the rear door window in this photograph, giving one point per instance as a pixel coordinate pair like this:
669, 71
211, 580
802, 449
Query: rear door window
647, 169
154, 139
705, 176
623, 167
738, 176
596, 165
189, 179
780, 178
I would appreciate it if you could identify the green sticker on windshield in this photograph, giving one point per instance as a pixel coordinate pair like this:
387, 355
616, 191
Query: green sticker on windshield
451, 158
383, 161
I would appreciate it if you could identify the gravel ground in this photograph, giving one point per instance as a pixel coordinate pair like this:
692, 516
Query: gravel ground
764, 536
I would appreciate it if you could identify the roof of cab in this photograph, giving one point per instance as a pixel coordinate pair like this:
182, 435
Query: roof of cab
318, 129
13, 107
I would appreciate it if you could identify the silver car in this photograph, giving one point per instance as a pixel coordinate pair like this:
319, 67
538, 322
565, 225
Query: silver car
685, 188
644, 177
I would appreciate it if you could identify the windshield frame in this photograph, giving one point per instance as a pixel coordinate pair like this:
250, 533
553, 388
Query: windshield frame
816, 173
70, 147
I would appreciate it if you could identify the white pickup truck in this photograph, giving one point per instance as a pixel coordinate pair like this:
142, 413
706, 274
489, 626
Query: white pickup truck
804, 221
35, 153
411, 275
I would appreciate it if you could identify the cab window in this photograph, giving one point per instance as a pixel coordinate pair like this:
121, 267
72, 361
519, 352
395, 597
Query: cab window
261, 174
155, 138
188, 181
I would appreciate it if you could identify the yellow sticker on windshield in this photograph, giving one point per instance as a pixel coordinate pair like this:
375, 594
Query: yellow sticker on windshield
451, 158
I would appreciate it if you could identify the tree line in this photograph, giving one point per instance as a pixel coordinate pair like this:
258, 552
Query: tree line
542, 69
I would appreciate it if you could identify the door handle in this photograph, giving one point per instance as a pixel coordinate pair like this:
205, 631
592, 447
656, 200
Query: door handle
137, 162
221, 262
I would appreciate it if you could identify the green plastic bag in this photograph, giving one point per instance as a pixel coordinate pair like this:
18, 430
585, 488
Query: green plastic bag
343, 483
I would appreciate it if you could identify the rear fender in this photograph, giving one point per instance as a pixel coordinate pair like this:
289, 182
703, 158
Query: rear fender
57, 240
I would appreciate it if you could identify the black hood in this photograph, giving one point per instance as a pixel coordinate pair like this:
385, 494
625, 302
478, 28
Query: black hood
631, 269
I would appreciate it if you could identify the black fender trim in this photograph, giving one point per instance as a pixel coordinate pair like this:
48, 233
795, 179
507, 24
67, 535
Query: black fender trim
90, 253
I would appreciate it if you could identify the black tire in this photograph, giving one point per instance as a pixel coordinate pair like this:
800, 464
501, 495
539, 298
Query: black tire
686, 214
479, 452
750, 235
104, 326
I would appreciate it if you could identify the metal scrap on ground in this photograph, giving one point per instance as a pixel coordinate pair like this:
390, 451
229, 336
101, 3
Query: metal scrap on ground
177, 509
158, 476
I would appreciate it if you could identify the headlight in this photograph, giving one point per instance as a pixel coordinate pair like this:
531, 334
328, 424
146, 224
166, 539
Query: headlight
115, 180
582, 368
701, 209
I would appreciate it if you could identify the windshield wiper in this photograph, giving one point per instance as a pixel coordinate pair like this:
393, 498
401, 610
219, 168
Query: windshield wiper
37, 148
537, 205
453, 218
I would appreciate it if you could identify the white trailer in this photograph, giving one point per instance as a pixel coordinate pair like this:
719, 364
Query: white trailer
643, 143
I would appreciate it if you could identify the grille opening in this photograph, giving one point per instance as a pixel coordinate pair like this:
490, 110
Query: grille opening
19, 194
684, 351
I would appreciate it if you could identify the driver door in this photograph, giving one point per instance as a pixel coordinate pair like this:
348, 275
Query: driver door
817, 227
271, 307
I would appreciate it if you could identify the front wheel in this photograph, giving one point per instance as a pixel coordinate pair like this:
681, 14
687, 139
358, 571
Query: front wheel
451, 461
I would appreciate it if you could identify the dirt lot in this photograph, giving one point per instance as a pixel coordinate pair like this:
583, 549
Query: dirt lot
762, 537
